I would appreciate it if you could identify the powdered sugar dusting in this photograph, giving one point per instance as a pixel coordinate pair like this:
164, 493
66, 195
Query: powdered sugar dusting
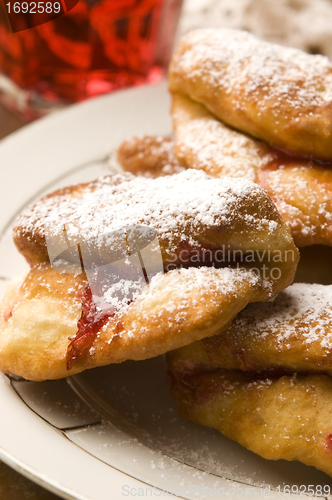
175, 206
179, 291
304, 24
211, 146
303, 311
207, 279
150, 156
165, 149
307, 208
256, 70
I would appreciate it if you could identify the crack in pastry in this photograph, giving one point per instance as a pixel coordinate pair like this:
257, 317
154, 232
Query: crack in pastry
292, 333
285, 418
278, 94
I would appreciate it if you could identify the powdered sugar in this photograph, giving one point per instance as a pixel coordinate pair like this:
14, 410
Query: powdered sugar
177, 290
304, 24
303, 311
306, 208
177, 205
257, 70
120, 294
203, 142
148, 156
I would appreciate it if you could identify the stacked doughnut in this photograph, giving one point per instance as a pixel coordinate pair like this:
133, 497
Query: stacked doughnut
244, 108
130, 267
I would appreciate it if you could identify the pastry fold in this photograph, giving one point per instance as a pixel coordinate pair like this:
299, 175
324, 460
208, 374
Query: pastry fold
194, 219
278, 94
292, 333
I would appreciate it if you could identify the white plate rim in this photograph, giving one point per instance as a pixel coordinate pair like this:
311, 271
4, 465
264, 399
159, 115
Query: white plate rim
33, 158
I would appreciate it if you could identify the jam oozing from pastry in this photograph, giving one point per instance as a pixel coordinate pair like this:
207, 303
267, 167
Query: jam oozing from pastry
89, 325
280, 158
93, 318
328, 441
283, 159
8, 315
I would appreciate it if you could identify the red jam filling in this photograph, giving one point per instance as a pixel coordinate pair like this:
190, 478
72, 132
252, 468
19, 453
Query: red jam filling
286, 159
8, 315
328, 441
92, 320
89, 325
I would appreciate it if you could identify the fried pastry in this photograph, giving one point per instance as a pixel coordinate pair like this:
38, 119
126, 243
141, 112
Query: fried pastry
278, 94
301, 189
292, 333
196, 219
205, 143
303, 196
148, 155
285, 418
52, 326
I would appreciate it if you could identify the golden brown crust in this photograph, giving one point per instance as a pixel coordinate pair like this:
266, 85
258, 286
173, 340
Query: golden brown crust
287, 418
237, 216
30, 242
303, 196
291, 333
274, 93
204, 143
148, 155
39, 317
301, 189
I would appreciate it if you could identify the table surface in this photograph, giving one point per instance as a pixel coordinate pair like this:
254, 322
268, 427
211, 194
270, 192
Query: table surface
14, 486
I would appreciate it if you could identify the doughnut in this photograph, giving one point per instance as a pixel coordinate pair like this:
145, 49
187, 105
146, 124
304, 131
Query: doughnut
52, 325
148, 155
195, 220
285, 418
292, 333
278, 94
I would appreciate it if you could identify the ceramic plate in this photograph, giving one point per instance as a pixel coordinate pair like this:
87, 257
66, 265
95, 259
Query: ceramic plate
112, 432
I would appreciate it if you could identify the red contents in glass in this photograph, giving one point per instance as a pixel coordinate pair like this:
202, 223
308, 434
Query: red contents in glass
97, 47
88, 326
